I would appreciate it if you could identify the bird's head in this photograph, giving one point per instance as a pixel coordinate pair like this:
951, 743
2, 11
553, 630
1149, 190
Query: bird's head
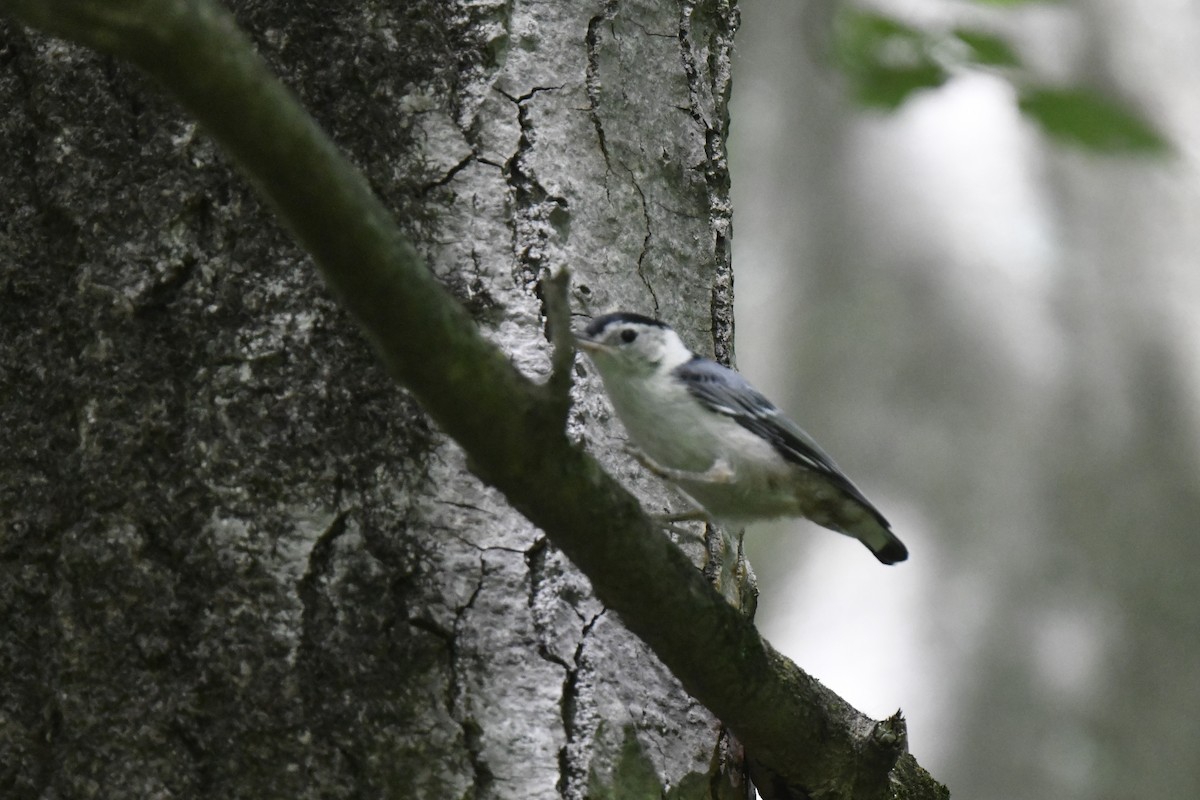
632, 344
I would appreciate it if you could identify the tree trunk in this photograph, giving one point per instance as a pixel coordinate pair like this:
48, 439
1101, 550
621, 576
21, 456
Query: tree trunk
236, 560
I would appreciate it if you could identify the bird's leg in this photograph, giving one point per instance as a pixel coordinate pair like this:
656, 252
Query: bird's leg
668, 523
695, 515
719, 473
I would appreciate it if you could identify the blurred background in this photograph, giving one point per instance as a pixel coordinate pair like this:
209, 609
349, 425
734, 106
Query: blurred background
998, 338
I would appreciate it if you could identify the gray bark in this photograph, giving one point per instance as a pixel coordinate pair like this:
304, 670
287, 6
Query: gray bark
237, 561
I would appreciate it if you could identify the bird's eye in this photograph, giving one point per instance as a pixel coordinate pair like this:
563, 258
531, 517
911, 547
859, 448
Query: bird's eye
628, 336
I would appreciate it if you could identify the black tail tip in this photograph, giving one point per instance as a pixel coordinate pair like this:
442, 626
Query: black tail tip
892, 552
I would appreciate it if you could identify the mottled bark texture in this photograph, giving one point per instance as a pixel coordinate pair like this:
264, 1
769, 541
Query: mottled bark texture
361, 615
236, 560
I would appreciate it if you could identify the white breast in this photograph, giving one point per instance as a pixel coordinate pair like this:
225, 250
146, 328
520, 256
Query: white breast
670, 426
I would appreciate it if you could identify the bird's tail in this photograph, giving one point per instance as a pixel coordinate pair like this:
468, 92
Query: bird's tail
880, 540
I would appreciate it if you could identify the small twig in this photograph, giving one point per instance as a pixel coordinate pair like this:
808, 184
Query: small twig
558, 324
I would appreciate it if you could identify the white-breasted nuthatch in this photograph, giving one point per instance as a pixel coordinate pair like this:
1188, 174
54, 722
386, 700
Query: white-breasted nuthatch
704, 428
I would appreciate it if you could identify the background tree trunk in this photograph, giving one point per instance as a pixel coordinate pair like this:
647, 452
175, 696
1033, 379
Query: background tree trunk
997, 336
236, 559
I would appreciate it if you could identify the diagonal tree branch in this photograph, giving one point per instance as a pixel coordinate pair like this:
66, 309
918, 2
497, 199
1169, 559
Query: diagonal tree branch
805, 741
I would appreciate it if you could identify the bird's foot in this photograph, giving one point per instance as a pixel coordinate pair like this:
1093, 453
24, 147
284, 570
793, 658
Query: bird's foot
670, 524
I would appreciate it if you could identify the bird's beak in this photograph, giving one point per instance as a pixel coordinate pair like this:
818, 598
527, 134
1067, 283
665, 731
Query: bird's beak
588, 345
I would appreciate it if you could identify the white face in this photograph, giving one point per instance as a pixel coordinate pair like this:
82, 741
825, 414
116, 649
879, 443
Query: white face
633, 344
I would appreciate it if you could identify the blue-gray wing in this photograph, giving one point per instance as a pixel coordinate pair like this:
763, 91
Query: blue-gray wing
726, 392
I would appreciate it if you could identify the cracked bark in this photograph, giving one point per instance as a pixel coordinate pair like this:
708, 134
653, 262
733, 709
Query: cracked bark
238, 561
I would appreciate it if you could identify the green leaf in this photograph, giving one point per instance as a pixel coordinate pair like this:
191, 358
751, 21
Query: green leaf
884, 59
1089, 120
988, 49
888, 88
